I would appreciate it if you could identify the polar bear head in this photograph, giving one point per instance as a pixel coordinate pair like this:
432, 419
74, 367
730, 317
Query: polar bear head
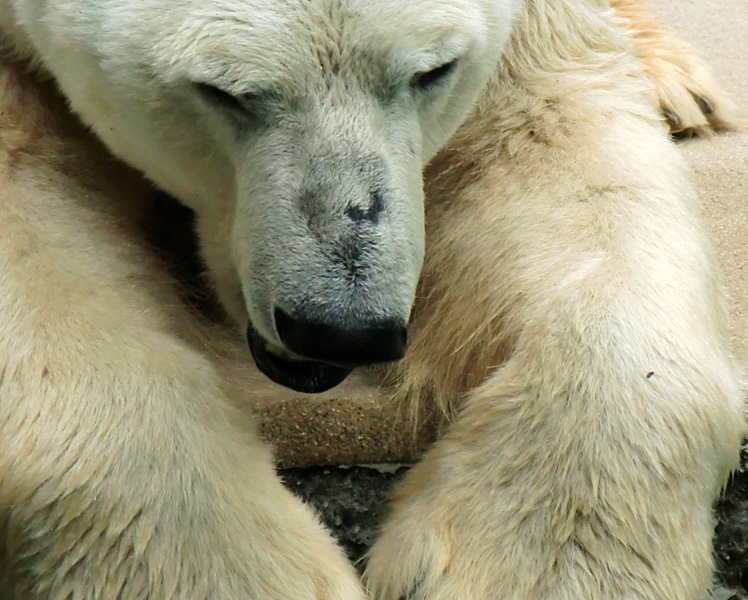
298, 131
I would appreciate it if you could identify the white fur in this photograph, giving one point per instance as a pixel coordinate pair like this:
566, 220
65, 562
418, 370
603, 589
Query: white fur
338, 74
570, 311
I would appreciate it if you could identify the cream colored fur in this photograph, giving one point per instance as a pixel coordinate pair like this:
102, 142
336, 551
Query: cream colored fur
684, 84
124, 471
604, 406
570, 317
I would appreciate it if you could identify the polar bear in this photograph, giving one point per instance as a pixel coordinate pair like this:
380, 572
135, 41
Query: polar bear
555, 289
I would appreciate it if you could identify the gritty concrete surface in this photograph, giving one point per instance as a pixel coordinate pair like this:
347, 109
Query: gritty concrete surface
356, 423
352, 501
731, 533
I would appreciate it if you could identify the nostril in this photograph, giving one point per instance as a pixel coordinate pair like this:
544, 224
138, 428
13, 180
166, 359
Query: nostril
369, 213
373, 342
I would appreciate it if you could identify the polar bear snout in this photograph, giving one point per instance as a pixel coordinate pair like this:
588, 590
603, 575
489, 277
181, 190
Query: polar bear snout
316, 356
337, 344
328, 244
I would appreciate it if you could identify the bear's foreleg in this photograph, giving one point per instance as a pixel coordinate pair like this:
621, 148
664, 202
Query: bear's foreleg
571, 315
691, 98
124, 473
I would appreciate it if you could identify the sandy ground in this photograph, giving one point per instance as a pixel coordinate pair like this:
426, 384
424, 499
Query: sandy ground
720, 31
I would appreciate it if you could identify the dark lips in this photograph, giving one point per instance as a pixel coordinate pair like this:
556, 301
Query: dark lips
308, 376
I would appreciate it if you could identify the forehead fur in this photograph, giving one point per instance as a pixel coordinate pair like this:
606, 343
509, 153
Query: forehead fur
271, 43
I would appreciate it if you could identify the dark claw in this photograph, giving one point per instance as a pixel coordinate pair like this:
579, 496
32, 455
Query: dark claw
706, 107
671, 117
415, 589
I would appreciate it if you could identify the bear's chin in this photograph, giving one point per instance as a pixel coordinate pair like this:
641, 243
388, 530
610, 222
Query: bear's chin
300, 375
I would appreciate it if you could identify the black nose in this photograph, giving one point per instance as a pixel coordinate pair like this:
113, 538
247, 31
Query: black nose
381, 341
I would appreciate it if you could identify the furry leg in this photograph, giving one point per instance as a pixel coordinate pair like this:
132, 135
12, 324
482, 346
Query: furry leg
571, 314
691, 98
124, 472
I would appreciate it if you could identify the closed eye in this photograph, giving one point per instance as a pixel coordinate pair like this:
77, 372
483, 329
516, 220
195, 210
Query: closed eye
222, 99
429, 79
